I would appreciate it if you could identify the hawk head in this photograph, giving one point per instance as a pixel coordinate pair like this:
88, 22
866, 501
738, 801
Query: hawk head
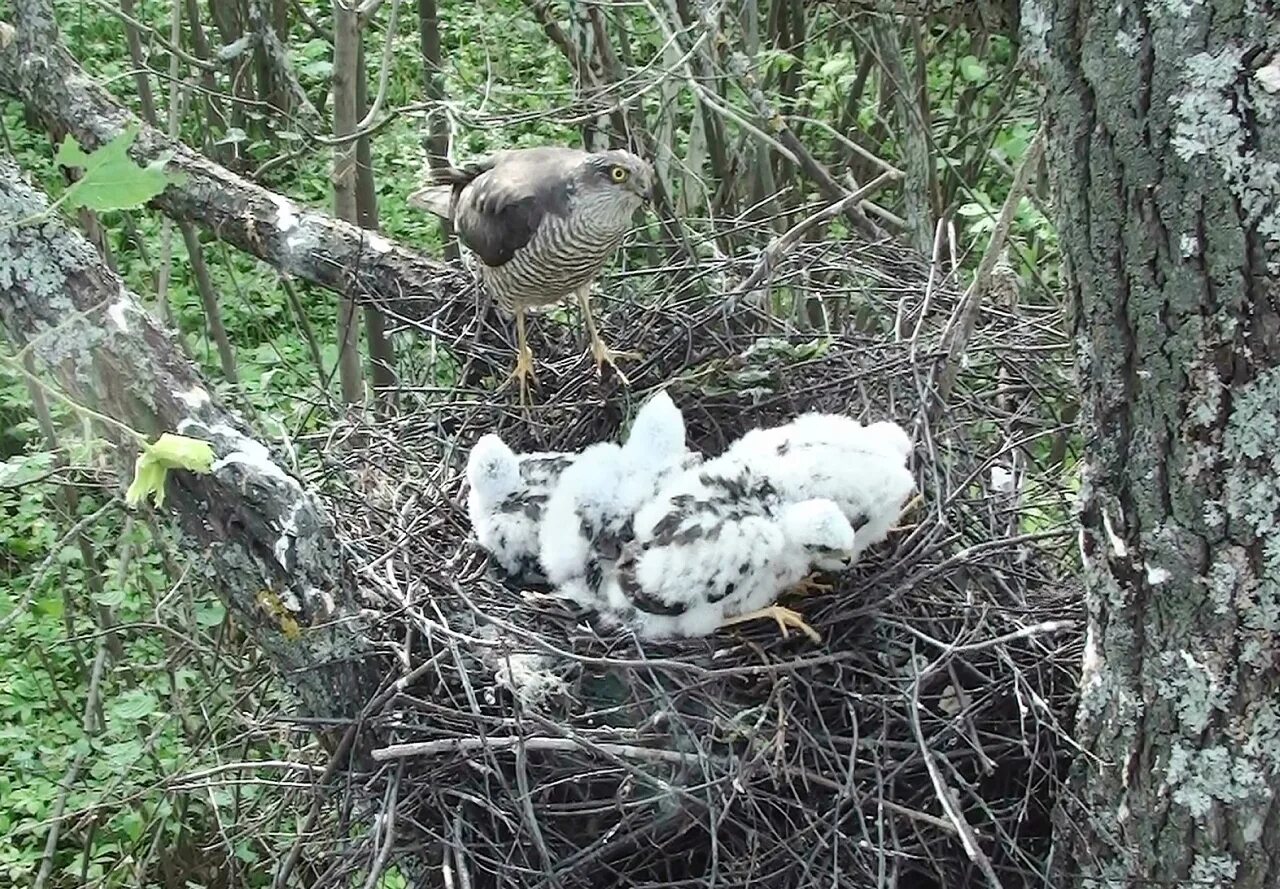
620, 174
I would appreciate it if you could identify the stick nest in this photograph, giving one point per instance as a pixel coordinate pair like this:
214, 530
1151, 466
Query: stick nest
923, 742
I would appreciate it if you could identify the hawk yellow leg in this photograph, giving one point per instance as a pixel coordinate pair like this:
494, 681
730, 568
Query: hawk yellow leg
785, 617
523, 372
603, 354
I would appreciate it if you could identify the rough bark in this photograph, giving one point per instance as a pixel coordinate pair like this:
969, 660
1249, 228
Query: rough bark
911, 113
37, 70
1166, 147
271, 548
279, 82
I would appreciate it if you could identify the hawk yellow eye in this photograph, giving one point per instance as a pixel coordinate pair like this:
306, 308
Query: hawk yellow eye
618, 174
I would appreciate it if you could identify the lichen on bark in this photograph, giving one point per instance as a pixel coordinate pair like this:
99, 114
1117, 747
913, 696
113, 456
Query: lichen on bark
1166, 151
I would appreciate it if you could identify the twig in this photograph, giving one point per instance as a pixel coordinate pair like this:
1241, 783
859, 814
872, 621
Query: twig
956, 335
782, 244
387, 842
943, 793
561, 745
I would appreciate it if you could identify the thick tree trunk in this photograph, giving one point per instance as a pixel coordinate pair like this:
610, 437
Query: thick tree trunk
270, 543
1165, 139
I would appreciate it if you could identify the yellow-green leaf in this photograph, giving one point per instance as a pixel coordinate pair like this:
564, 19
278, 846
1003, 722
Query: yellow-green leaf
181, 452
167, 452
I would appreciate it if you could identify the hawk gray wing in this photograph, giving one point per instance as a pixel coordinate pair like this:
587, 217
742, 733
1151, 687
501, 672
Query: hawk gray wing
498, 209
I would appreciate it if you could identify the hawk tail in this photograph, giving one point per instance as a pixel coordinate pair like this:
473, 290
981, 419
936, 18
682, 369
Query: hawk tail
437, 199
443, 186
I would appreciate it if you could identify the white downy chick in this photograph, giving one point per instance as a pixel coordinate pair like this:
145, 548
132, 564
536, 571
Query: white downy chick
507, 497
861, 468
701, 564
589, 514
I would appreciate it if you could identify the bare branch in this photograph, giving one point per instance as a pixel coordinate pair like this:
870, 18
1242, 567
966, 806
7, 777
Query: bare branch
303, 243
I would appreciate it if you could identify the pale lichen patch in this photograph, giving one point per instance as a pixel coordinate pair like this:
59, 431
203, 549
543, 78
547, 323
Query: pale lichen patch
286, 213
284, 544
1199, 778
118, 312
195, 398
1180, 8
1210, 871
252, 455
1252, 491
1209, 114
1194, 687
1128, 43
1091, 667
378, 243
1268, 76
1036, 25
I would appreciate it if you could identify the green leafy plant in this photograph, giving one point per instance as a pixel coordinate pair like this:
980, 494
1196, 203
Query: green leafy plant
111, 179
167, 452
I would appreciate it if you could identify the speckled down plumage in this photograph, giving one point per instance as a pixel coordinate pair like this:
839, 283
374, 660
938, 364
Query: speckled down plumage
589, 517
507, 495
698, 560
862, 469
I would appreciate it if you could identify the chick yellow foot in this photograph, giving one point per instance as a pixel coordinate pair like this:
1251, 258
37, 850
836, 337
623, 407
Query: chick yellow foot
784, 617
604, 355
523, 373
911, 504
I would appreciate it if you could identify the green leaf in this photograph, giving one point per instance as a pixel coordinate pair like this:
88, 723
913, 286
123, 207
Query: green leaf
112, 596
167, 452
134, 704
972, 70
111, 180
22, 468
234, 135
52, 606
182, 452
211, 614
835, 66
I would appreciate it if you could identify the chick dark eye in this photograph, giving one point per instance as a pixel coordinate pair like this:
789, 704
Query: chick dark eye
618, 174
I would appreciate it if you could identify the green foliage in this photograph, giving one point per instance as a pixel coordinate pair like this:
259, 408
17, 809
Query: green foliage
169, 706
111, 180
167, 452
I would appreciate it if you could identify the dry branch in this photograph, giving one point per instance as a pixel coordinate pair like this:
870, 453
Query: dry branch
277, 55
36, 69
270, 544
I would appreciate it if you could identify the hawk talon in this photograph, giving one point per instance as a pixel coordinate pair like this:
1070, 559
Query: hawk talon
604, 355
809, 585
916, 500
784, 617
523, 373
